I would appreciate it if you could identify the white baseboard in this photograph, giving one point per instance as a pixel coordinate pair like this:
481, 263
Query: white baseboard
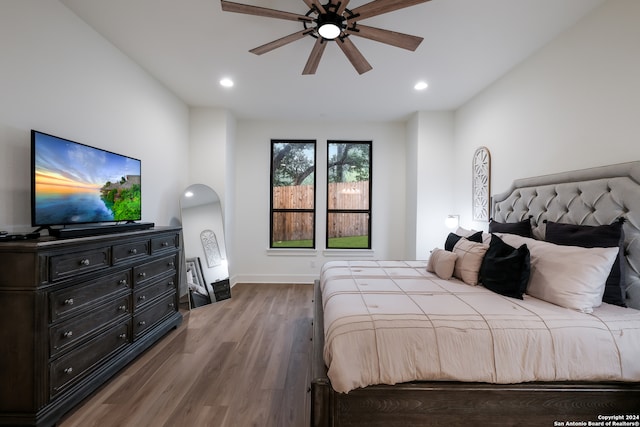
274, 278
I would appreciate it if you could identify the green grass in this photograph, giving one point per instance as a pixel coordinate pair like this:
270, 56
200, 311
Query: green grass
354, 242
293, 244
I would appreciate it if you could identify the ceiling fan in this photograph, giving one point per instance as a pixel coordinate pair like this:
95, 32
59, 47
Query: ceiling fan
334, 22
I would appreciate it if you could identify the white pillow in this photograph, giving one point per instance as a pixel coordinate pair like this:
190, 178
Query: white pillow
442, 263
486, 237
470, 256
568, 276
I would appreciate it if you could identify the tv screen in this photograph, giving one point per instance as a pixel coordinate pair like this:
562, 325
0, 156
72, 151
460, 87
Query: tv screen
73, 183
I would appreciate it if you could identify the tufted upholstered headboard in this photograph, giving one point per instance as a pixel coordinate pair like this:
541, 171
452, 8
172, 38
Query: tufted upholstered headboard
593, 196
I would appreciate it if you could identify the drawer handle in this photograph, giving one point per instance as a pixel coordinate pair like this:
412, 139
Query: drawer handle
171, 264
171, 305
122, 308
170, 283
142, 323
143, 274
165, 244
68, 301
122, 336
85, 262
133, 251
142, 298
67, 334
122, 282
68, 370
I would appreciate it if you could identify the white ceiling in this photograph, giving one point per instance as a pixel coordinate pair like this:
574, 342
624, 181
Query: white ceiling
189, 45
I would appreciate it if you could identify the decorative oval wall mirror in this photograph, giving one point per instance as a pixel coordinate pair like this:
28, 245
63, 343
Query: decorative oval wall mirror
204, 245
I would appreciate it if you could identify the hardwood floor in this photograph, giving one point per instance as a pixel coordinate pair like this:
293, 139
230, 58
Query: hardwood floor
239, 362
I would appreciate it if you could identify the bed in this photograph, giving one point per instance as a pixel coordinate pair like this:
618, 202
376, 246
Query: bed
486, 396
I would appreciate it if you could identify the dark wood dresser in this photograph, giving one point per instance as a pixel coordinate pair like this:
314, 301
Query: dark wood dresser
73, 312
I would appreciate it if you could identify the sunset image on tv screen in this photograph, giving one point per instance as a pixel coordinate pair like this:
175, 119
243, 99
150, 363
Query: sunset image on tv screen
76, 184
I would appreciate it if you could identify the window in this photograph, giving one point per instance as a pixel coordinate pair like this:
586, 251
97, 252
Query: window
293, 179
348, 195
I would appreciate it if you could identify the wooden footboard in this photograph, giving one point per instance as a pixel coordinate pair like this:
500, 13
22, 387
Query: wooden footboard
462, 404
321, 392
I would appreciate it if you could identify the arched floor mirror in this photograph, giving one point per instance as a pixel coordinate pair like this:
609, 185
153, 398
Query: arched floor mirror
204, 246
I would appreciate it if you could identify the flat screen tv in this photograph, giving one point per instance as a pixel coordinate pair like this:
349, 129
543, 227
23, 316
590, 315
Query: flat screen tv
73, 183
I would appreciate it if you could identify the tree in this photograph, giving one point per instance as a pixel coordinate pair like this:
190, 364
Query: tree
349, 162
293, 163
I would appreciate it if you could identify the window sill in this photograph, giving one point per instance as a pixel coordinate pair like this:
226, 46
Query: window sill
329, 253
364, 253
302, 252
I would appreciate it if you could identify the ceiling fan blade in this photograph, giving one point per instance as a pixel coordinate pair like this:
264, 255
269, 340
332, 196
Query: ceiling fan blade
342, 7
228, 6
378, 7
353, 54
280, 42
314, 57
393, 38
317, 4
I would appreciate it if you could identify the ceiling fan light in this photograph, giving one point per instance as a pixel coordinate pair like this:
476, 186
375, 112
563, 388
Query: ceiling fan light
329, 31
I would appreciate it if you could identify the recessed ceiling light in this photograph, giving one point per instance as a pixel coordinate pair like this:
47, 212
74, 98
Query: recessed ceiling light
422, 85
226, 82
188, 194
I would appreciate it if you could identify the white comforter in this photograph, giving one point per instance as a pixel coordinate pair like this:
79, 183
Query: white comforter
388, 322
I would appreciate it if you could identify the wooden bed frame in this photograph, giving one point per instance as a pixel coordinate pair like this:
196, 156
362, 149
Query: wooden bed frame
551, 197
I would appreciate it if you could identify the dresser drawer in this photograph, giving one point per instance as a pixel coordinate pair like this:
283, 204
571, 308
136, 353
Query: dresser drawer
159, 244
147, 272
148, 318
70, 264
68, 301
145, 296
130, 251
74, 330
85, 358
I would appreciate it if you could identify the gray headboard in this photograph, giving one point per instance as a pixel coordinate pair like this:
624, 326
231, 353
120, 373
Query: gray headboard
594, 196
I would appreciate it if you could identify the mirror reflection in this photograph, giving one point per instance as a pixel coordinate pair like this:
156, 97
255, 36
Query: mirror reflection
206, 268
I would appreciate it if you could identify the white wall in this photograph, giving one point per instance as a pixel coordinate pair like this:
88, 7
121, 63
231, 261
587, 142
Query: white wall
60, 77
429, 182
230, 196
208, 149
211, 160
575, 104
253, 261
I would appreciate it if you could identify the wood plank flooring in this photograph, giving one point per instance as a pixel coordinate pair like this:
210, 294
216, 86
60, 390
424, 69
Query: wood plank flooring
239, 362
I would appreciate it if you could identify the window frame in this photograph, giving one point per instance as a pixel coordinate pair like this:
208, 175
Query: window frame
357, 211
273, 211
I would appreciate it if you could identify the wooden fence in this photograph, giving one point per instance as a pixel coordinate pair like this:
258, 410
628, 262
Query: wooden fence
289, 226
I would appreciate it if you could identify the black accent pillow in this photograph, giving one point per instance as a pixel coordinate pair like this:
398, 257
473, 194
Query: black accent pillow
453, 238
505, 269
522, 228
598, 236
